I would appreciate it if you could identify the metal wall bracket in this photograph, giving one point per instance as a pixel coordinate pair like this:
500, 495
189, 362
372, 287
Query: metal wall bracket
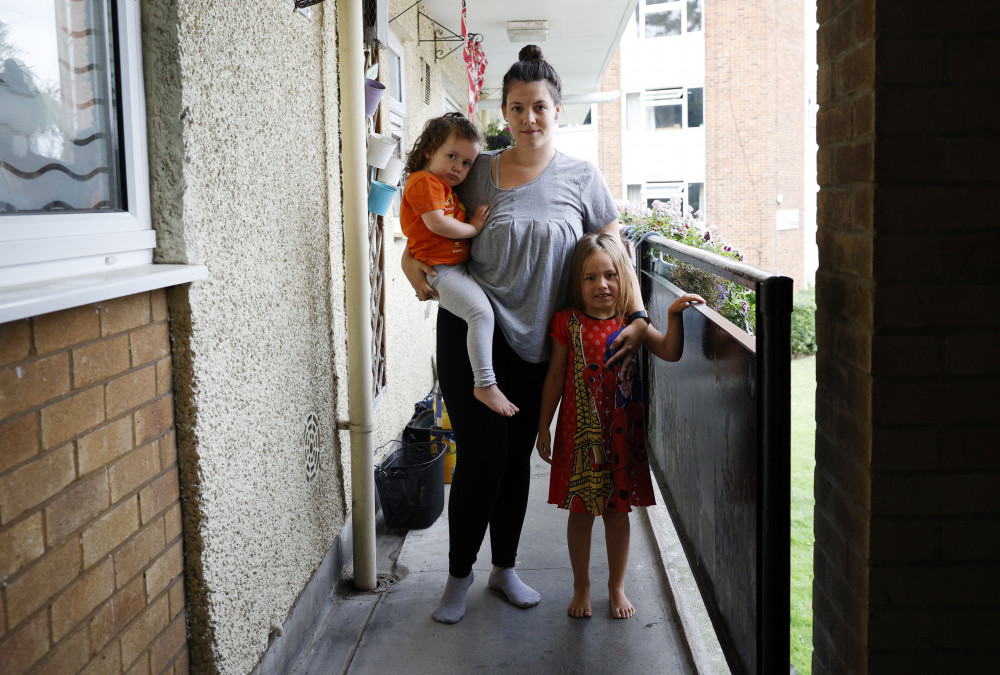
439, 34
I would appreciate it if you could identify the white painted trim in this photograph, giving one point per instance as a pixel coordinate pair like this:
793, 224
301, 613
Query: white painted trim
20, 302
83, 242
22, 252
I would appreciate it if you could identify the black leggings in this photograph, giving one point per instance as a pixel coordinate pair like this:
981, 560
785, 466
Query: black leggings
492, 470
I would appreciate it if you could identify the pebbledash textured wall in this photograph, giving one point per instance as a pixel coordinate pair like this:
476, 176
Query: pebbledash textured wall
244, 144
91, 556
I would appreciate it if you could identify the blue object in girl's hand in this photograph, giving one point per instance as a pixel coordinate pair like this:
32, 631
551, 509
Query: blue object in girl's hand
609, 352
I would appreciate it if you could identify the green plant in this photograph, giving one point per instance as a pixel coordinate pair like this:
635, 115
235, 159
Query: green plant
681, 224
497, 138
803, 338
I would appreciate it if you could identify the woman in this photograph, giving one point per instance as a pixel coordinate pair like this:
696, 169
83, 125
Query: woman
541, 203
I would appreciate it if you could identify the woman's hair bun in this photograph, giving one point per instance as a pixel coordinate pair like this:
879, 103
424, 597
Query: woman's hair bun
530, 52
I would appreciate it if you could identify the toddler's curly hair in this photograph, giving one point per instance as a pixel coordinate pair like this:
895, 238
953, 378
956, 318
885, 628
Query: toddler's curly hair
436, 132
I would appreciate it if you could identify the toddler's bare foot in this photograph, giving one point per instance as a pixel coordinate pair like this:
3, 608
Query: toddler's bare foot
494, 399
579, 606
621, 608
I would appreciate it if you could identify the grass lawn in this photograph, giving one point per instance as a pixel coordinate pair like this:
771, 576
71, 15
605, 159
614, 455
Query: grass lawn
803, 467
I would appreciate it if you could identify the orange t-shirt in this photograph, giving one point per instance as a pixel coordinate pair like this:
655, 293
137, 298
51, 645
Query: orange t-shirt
426, 192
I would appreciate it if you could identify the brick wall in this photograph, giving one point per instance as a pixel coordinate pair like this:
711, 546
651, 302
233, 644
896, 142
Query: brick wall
908, 400
754, 128
845, 324
609, 129
90, 519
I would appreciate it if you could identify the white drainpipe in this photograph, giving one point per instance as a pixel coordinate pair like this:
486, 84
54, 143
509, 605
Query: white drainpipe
359, 333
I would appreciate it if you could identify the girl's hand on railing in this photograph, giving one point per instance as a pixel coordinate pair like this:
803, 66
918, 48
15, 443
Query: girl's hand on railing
683, 302
544, 445
416, 272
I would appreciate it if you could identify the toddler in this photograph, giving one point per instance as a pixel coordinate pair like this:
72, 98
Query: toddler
433, 220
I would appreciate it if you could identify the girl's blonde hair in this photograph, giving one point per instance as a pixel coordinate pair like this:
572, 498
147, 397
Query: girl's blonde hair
612, 247
436, 131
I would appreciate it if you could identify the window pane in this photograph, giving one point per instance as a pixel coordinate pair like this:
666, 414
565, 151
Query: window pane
660, 24
658, 2
662, 117
695, 192
694, 15
395, 76
58, 117
696, 107
634, 193
633, 112
663, 192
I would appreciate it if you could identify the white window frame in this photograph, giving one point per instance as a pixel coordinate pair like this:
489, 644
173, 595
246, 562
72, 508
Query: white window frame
665, 190
395, 47
652, 98
644, 8
51, 261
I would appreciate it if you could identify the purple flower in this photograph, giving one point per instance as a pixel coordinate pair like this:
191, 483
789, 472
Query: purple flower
708, 236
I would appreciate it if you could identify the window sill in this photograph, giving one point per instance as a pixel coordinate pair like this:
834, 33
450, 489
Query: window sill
42, 297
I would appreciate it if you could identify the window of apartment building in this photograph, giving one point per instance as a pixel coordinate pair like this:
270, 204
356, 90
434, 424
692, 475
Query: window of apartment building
661, 191
696, 197
664, 109
695, 107
74, 188
576, 115
666, 18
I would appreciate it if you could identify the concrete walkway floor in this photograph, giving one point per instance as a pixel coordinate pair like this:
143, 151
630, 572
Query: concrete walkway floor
391, 630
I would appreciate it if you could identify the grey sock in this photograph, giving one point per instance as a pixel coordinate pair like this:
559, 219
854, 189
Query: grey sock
451, 609
518, 593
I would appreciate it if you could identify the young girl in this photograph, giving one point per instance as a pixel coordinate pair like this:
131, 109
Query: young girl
433, 220
599, 465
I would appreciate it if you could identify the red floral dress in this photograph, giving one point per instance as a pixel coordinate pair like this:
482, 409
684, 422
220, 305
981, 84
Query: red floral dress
599, 457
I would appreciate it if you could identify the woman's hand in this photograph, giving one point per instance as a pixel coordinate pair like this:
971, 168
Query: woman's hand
628, 343
416, 272
544, 445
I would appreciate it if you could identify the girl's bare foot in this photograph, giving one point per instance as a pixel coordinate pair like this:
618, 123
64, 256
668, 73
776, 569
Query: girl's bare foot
494, 399
579, 606
621, 608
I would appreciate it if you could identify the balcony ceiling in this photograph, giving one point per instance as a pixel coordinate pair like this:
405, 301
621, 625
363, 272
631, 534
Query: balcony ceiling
582, 37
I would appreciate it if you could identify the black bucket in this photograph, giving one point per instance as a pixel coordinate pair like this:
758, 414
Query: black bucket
418, 430
410, 484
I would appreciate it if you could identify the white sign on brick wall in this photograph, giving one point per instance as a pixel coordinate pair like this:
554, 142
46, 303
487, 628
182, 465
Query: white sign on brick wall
788, 219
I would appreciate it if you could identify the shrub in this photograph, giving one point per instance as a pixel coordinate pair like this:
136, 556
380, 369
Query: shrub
804, 322
731, 300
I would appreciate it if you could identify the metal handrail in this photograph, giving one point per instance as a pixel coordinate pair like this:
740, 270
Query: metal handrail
771, 353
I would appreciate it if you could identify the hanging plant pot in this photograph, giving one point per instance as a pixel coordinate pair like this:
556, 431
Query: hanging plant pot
499, 141
392, 171
373, 94
380, 197
379, 149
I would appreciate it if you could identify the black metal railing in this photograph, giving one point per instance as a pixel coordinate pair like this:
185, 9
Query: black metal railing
718, 432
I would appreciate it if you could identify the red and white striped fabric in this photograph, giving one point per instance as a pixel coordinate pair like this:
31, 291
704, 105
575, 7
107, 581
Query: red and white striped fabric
475, 61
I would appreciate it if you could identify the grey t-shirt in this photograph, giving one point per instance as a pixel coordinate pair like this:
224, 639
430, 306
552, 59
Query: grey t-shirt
522, 257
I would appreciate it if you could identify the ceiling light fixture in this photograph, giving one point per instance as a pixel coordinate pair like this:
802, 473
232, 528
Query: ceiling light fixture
527, 31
